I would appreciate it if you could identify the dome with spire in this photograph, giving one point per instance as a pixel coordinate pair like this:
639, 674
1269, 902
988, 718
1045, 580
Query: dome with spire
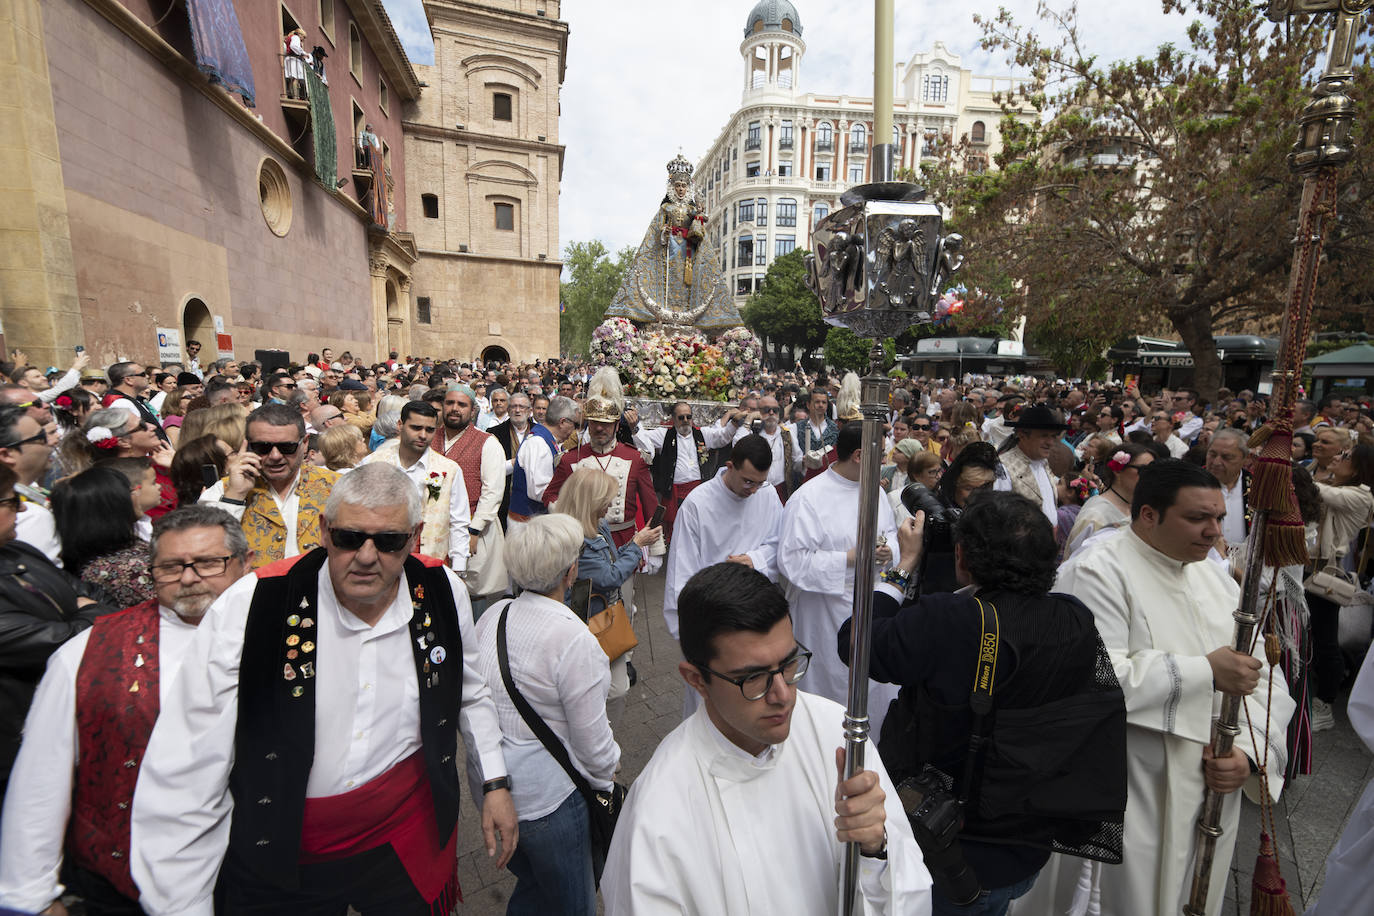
773, 16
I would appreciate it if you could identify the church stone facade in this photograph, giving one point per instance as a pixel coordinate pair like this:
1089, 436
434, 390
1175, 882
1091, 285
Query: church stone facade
483, 171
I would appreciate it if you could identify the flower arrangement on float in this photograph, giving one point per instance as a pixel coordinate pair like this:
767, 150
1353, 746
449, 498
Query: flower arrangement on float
679, 364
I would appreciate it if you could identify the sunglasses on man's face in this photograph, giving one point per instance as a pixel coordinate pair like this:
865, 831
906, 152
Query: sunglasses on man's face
265, 448
384, 541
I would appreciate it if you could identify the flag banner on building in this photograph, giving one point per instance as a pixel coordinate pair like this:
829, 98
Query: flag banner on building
218, 42
322, 121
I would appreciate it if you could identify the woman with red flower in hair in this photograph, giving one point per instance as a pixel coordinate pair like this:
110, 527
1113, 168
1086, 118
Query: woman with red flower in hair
1111, 508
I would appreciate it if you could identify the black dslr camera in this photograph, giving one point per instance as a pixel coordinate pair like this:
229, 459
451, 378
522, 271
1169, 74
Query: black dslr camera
938, 540
936, 818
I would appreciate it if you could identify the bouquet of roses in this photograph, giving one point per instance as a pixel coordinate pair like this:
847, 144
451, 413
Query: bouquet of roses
678, 365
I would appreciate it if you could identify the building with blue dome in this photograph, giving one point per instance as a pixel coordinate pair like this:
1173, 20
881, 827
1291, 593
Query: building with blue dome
785, 155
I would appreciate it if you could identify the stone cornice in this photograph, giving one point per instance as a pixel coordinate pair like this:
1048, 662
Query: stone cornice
420, 129
437, 11
477, 256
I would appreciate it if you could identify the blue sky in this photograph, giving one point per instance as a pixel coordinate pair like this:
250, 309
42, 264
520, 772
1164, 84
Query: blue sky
630, 101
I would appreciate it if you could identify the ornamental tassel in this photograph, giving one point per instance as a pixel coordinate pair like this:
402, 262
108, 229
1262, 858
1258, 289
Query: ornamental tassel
1271, 490
1268, 890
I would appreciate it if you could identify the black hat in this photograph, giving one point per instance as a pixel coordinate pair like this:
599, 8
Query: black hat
1038, 416
187, 378
351, 384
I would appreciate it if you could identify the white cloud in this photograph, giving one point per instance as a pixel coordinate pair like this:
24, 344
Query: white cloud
629, 102
408, 17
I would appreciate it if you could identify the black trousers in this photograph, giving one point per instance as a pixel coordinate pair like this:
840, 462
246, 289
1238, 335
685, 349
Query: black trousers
1328, 664
101, 898
374, 883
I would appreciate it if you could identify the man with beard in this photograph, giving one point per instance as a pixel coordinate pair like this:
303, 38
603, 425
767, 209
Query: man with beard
91, 718
682, 453
483, 463
277, 500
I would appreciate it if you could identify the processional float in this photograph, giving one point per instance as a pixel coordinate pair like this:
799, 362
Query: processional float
1276, 529
878, 265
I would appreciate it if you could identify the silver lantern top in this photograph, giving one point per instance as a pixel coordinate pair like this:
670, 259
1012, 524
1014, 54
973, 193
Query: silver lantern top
881, 261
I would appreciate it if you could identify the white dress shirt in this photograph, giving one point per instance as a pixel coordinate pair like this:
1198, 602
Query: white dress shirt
33, 832
777, 471
688, 468
562, 671
1233, 524
538, 462
367, 719
288, 505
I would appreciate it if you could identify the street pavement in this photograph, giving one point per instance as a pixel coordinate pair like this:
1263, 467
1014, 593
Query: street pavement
1309, 816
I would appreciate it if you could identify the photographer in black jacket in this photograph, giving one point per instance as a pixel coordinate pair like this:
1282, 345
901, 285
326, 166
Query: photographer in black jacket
990, 796
41, 607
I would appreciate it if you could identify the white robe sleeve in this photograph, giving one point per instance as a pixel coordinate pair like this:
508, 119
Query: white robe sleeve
1165, 692
765, 555
182, 805
536, 460
650, 440
38, 801
717, 436
458, 520
684, 560
493, 485
802, 558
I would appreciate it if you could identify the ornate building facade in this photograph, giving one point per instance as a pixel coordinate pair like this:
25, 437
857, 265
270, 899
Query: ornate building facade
785, 155
165, 175
482, 182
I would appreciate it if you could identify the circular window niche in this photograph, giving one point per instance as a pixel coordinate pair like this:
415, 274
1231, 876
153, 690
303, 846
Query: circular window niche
274, 196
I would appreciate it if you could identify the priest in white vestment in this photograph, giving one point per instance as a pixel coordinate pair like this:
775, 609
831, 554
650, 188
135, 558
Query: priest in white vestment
816, 562
733, 517
1164, 615
736, 813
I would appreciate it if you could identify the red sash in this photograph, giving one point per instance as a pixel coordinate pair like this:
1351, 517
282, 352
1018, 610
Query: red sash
397, 808
116, 705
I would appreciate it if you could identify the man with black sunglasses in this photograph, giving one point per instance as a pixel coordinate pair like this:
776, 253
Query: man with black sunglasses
278, 501
309, 759
128, 381
24, 447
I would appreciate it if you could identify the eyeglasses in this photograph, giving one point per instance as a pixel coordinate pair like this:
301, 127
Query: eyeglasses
752, 484
683, 418
287, 385
921, 426
143, 374
384, 541
265, 448
768, 409
204, 568
755, 686
41, 436
12, 503
942, 438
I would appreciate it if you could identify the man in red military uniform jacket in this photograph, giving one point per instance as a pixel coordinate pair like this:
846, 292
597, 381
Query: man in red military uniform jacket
104, 689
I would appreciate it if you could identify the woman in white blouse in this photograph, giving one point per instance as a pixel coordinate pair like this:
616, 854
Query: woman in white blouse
560, 669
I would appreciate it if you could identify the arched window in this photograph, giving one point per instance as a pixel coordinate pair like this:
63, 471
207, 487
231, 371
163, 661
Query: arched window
858, 138
825, 137
979, 132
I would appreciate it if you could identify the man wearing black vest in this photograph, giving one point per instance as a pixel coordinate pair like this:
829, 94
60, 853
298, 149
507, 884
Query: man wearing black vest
682, 454
309, 757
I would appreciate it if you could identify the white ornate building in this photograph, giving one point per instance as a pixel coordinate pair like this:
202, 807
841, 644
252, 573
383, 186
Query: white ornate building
785, 155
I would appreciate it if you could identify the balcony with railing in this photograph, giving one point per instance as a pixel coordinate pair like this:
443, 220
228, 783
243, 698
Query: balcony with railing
858, 147
785, 143
825, 146
752, 143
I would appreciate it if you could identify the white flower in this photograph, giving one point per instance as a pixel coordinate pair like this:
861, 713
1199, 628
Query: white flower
97, 433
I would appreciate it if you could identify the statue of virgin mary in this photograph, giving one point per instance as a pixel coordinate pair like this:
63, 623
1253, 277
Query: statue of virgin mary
675, 280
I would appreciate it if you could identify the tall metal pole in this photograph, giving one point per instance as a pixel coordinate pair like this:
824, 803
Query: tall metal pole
874, 405
884, 150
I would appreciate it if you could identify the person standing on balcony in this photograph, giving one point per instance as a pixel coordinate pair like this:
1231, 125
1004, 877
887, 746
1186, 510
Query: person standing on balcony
294, 60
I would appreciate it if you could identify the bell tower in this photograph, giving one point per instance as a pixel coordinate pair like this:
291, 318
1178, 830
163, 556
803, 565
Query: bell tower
772, 50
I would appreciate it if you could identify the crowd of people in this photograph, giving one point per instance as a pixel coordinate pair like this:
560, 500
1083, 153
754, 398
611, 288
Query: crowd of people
244, 613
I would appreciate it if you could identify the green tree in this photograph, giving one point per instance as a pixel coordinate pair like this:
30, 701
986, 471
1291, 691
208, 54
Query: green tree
593, 279
846, 351
783, 311
1156, 194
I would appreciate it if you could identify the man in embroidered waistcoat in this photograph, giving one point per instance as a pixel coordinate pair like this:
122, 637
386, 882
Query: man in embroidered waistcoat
483, 463
510, 434
275, 498
72, 788
816, 435
309, 758
1026, 458
681, 454
439, 481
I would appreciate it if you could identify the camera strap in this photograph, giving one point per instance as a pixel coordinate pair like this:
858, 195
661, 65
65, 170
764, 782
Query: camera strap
980, 699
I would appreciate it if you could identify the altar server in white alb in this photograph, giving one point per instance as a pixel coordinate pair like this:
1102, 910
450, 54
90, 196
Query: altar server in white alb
743, 809
1164, 615
816, 562
734, 517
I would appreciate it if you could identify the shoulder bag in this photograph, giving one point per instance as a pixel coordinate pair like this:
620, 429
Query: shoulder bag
603, 805
1331, 582
613, 627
